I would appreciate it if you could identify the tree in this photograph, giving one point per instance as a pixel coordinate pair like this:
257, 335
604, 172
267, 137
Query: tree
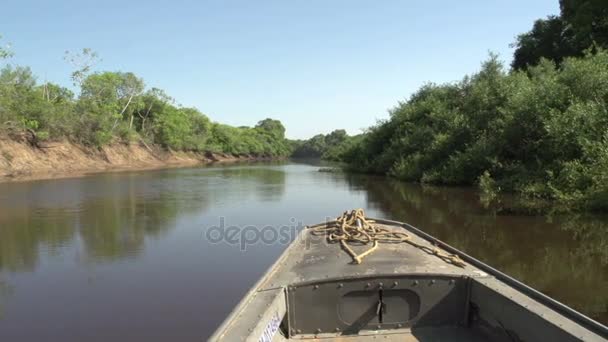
588, 20
16, 96
152, 102
114, 105
114, 92
5, 51
582, 25
82, 62
549, 38
273, 127
329, 146
539, 132
336, 137
106, 103
130, 87
54, 93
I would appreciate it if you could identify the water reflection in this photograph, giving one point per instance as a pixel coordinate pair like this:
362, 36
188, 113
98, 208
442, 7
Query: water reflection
269, 182
96, 238
116, 212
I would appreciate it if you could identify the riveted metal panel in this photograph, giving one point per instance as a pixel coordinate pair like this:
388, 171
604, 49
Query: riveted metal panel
350, 306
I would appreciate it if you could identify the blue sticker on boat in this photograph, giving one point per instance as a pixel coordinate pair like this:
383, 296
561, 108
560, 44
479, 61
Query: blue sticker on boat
271, 329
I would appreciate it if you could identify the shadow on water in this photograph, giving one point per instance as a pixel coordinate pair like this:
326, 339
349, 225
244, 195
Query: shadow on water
566, 257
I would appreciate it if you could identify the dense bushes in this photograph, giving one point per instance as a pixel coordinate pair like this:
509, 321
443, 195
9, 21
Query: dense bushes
582, 25
541, 132
328, 147
115, 106
266, 138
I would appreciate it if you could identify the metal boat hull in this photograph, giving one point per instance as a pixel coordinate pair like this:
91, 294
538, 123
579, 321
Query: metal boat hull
399, 292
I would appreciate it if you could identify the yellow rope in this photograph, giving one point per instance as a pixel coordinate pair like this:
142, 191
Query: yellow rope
353, 227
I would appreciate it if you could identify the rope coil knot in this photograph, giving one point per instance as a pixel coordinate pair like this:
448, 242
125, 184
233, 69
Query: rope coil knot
352, 228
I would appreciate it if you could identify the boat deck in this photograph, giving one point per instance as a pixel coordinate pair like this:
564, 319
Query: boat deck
399, 292
312, 259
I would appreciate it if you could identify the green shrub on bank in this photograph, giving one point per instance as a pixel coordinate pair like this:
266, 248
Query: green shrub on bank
327, 147
542, 133
116, 107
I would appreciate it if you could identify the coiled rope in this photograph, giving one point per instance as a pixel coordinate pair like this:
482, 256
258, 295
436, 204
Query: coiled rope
353, 228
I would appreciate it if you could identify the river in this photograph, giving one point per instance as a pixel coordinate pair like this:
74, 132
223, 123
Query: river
130, 256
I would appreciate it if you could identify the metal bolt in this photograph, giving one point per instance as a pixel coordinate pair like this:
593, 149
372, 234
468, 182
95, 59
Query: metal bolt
299, 331
316, 287
368, 285
380, 285
432, 281
337, 329
318, 331
340, 285
395, 283
415, 282
379, 326
399, 325
452, 281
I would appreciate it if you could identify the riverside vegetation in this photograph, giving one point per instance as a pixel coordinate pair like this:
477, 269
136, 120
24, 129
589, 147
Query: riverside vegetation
116, 107
539, 130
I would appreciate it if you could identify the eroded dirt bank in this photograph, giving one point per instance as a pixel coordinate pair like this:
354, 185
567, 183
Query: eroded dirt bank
22, 161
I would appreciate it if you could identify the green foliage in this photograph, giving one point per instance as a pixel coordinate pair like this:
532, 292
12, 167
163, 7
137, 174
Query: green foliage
582, 24
115, 106
269, 134
267, 139
82, 62
5, 52
488, 187
328, 147
588, 21
106, 104
181, 128
541, 133
549, 38
25, 105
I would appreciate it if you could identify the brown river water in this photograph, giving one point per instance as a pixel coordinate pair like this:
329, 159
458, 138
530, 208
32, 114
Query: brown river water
136, 256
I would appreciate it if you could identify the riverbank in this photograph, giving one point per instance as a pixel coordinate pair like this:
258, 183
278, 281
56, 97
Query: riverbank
21, 161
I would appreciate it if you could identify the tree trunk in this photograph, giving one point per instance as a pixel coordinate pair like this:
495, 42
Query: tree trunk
127, 105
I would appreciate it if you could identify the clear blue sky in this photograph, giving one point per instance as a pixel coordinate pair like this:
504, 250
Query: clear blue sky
315, 65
